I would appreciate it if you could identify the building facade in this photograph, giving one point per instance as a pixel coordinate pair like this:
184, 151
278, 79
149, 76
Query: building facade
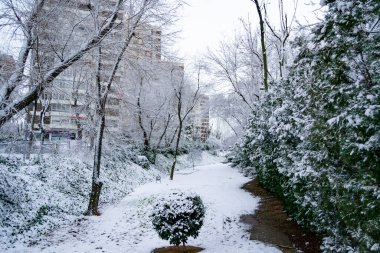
66, 107
201, 118
65, 110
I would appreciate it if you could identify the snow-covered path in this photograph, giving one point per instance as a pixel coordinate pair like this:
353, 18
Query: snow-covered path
126, 227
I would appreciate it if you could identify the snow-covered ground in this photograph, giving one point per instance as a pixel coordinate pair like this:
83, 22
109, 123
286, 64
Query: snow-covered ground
126, 227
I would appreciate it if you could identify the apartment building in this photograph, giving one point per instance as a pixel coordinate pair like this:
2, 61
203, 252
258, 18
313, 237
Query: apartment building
201, 118
64, 110
7, 66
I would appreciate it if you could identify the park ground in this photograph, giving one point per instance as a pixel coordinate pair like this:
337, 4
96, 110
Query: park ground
126, 226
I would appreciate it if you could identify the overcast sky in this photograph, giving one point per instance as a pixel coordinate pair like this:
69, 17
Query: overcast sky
204, 23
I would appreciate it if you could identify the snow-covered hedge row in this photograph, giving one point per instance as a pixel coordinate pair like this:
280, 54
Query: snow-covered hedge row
316, 139
41, 195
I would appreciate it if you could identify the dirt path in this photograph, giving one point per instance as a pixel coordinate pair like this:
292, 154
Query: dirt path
271, 225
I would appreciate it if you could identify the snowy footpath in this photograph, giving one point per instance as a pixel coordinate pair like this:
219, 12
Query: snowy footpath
126, 227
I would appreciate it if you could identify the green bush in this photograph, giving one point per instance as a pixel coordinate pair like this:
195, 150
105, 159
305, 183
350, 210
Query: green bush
315, 139
178, 216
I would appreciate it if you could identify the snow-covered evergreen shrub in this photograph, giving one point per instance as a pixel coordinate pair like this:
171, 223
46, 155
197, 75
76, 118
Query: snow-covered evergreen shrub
315, 140
178, 216
143, 161
35, 198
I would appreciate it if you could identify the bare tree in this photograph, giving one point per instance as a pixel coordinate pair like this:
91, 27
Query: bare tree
231, 66
27, 16
139, 12
263, 44
150, 103
140, 120
229, 109
103, 91
186, 101
281, 35
165, 129
149, 113
237, 64
244, 63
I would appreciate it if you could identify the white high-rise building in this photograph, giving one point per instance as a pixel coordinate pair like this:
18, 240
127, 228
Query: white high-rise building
201, 118
64, 108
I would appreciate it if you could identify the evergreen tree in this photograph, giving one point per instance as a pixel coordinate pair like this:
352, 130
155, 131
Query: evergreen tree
316, 139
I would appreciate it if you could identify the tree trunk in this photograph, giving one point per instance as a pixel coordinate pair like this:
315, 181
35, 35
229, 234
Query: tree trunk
164, 132
263, 46
96, 184
94, 199
100, 115
41, 125
30, 134
102, 92
176, 150
145, 135
172, 138
77, 114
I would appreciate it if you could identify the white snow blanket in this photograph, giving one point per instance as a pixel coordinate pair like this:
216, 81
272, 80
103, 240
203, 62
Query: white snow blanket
127, 227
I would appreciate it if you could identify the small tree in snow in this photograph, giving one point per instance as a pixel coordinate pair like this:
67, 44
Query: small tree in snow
194, 156
186, 101
178, 216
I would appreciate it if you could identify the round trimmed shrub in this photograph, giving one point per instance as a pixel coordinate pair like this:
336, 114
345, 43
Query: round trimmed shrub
178, 216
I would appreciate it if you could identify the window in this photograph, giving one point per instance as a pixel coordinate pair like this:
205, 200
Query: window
114, 101
45, 96
61, 96
60, 107
60, 120
85, 7
106, 13
112, 111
